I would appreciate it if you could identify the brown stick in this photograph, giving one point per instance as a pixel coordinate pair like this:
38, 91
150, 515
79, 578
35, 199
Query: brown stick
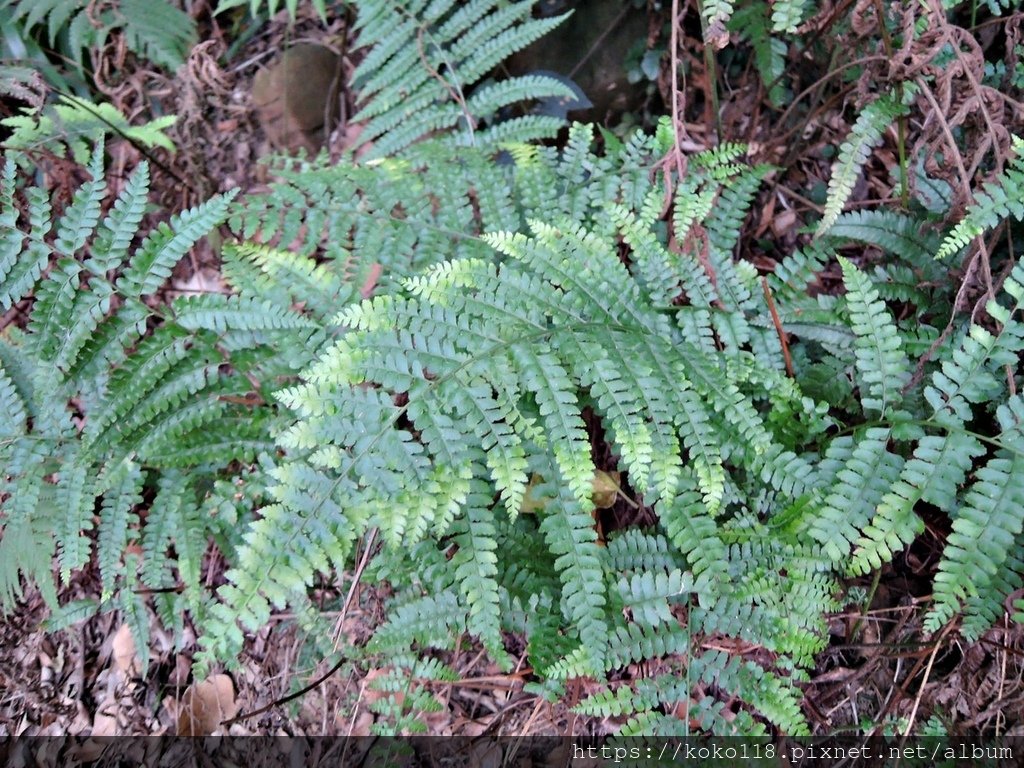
778, 327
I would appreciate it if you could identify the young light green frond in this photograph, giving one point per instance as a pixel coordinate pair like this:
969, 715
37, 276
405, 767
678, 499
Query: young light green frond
874, 119
882, 364
1001, 200
75, 123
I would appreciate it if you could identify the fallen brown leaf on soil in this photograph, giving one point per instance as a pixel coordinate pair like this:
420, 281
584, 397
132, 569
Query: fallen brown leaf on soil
205, 705
123, 649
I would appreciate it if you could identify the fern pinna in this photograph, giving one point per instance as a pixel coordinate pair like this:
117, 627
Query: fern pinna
108, 398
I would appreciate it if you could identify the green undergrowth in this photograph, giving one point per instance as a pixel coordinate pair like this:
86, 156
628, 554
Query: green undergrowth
540, 315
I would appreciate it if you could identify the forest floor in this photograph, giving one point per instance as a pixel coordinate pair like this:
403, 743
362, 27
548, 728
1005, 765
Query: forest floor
85, 680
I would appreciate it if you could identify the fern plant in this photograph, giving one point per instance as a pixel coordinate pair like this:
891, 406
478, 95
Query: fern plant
478, 373
1002, 199
454, 420
539, 317
158, 31
108, 397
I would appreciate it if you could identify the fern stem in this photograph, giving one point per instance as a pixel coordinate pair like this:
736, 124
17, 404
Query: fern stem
901, 121
783, 341
997, 444
867, 604
901, 149
711, 72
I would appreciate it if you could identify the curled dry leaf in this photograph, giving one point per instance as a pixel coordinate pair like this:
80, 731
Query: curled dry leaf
605, 488
205, 705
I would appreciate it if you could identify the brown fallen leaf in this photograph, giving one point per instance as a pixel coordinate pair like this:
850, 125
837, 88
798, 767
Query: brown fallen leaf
123, 650
362, 725
605, 488
104, 724
205, 705
485, 755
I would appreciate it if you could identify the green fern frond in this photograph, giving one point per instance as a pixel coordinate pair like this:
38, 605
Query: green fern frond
454, 406
882, 364
901, 234
866, 475
647, 595
151, 264
425, 65
285, 279
270, 7
1001, 200
986, 531
105, 396
867, 131
753, 23
123, 492
971, 373
158, 31
933, 474
219, 313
